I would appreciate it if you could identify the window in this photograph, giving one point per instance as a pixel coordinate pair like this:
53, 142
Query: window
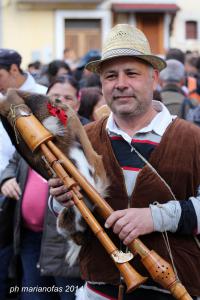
191, 30
82, 35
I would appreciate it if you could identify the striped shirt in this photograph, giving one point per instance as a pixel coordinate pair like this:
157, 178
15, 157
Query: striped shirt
174, 214
145, 141
129, 161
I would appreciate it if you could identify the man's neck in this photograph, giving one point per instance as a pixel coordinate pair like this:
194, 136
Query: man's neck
132, 124
20, 80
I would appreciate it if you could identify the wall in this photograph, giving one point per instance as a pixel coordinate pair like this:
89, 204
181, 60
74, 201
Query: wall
31, 32
189, 11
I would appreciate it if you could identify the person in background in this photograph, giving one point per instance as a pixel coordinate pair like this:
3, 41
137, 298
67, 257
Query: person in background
152, 160
89, 80
6, 148
157, 95
191, 67
41, 249
54, 69
171, 81
80, 69
70, 58
11, 76
35, 232
175, 53
34, 69
190, 87
193, 76
66, 89
91, 99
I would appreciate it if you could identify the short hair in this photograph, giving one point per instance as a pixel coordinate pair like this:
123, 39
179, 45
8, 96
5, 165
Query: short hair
92, 79
192, 60
36, 64
54, 66
174, 71
65, 79
7, 67
9, 57
175, 53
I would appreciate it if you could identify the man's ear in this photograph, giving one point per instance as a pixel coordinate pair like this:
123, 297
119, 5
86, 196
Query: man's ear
155, 78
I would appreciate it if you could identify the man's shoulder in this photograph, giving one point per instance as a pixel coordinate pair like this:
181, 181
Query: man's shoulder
31, 85
186, 124
186, 129
95, 126
40, 89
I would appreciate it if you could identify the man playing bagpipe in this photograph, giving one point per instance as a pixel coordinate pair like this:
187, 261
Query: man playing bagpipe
152, 160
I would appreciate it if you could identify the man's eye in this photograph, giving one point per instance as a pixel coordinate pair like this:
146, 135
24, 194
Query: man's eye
110, 76
132, 74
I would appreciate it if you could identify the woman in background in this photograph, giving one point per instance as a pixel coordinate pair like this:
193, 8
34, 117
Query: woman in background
66, 89
91, 98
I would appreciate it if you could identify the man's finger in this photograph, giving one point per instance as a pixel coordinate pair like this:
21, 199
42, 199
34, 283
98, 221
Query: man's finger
125, 231
55, 182
114, 217
59, 190
131, 236
119, 225
65, 198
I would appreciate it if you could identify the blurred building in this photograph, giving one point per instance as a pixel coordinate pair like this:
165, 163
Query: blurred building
186, 27
41, 29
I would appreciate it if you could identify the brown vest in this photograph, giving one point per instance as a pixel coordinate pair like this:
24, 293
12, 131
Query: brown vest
177, 160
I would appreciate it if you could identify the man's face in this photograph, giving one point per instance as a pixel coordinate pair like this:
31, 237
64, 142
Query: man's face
7, 80
128, 85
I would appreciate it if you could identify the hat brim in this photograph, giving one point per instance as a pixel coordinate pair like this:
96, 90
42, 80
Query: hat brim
156, 62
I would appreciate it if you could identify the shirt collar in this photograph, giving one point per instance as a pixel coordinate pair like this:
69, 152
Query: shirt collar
159, 123
28, 83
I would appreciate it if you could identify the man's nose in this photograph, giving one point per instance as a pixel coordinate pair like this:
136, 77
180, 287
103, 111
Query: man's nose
122, 82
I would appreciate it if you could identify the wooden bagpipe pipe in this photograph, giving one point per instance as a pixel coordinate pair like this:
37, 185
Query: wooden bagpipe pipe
22, 116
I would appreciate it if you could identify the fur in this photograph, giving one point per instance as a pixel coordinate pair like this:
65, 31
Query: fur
54, 126
73, 142
69, 221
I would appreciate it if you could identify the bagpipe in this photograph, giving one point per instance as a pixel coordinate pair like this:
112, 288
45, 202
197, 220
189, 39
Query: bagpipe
43, 131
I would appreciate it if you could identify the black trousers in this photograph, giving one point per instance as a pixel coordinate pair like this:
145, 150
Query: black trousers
138, 294
143, 294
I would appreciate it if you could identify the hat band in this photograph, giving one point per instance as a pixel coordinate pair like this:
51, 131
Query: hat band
122, 52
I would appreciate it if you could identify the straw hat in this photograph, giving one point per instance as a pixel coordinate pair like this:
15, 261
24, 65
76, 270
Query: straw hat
126, 40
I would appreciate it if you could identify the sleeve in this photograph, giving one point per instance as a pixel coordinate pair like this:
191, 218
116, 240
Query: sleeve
178, 216
54, 206
182, 216
10, 170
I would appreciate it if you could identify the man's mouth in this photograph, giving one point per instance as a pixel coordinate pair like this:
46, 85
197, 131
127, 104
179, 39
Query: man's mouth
122, 97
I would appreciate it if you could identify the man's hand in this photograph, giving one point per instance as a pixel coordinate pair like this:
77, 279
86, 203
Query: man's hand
60, 192
130, 223
10, 188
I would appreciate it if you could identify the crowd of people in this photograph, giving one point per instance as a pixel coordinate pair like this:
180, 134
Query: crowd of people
148, 141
